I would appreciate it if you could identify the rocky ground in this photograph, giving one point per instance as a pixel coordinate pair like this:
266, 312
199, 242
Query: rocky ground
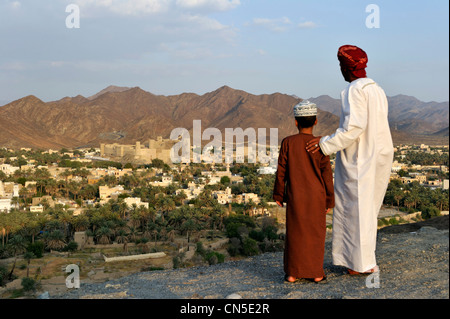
413, 261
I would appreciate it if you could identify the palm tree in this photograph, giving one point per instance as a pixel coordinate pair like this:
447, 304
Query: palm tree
163, 233
25, 192
133, 233
144, 216
123, 208
42, 173
220, 212
147, 233
123, 237
414, 194
88, 191
408, 201
177, 216
135, 217
103, 235
51, 187
75, 189
80, 223
54, 240
189, 226
40, 185
3, 236
18, 245
440, 199
16, 202
33, 228
9, 224
165, 204
398, 195
248, 207
171, 235
66, 219
28, 256
82, 172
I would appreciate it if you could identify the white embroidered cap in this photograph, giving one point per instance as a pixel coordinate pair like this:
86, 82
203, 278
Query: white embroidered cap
305, 108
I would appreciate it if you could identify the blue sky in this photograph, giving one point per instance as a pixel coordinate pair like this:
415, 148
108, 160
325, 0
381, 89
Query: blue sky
261, 46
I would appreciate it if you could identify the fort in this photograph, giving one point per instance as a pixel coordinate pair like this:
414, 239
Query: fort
139, 153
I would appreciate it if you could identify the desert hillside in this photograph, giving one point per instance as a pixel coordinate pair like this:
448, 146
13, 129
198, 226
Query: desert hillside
126, 115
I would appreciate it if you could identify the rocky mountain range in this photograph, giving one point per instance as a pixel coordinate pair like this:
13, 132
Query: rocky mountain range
126, 115
411, 120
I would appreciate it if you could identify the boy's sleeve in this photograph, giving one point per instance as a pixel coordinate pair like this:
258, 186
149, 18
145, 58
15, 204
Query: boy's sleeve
280, 178
327, 175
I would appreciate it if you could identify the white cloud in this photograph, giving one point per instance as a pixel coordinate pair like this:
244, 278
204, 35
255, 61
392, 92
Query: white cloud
125, 7
15, 4
307, 25
13, 66
170, 20
57, 64
137, 7
143, 7
216, 5
261, 52
278, 25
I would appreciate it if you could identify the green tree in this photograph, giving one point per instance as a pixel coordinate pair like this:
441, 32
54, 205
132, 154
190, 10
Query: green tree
54, 240
189, 226
225, 180
430, 212
103, 235
80, 223
28, 256
250, 247
28, 284
18, 245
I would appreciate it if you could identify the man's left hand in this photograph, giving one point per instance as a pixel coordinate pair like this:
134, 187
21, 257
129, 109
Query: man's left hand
313, 145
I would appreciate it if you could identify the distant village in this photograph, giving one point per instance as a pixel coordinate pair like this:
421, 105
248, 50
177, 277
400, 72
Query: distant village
24, 196
18, 191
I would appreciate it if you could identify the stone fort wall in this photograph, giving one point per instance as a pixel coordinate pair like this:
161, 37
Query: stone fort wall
138, 153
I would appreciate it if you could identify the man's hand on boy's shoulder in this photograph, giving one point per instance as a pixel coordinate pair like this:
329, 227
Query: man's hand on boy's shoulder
313, 145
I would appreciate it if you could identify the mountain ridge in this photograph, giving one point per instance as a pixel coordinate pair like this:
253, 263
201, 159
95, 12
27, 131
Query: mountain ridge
88, 121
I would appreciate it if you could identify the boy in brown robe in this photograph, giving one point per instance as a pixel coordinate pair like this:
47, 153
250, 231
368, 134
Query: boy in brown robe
305, 182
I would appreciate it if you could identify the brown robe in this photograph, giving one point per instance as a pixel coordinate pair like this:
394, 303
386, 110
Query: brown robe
305, 182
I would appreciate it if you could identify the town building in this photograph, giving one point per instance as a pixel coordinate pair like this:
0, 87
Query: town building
130, 201
106, 193
5, 205
8, 169
141, 154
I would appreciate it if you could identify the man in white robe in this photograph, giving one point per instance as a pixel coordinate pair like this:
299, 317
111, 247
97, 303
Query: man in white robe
364, 155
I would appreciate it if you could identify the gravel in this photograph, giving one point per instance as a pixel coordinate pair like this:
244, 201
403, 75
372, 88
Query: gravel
413, 265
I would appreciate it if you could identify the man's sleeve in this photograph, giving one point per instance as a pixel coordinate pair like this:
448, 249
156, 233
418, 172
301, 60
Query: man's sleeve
280, 178
354, 124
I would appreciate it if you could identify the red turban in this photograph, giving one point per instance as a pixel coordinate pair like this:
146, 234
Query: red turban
353, 59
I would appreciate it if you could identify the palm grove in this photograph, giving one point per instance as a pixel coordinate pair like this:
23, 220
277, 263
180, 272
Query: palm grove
167, 217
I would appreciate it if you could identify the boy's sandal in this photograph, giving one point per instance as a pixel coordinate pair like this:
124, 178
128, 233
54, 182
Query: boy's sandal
323, 280
286, 279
